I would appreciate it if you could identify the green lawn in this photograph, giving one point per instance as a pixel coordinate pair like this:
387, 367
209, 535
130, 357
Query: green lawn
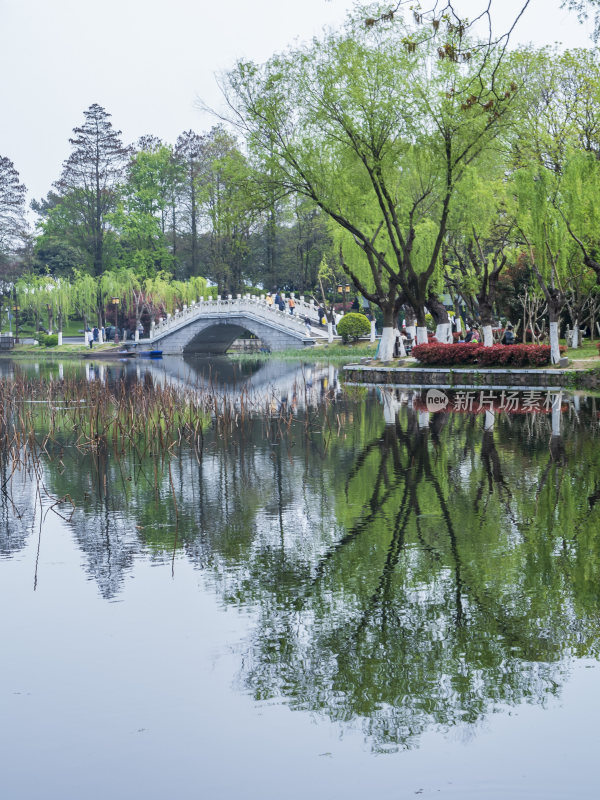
27, 331
587, 350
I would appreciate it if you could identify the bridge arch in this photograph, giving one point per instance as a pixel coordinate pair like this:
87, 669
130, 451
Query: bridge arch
215, 333
216, 337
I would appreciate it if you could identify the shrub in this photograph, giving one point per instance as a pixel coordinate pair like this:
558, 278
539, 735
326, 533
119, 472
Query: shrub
516, 355
352, 326
48, 339
446, 354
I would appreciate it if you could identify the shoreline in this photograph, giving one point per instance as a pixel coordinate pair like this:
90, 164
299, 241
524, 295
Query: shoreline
472, 378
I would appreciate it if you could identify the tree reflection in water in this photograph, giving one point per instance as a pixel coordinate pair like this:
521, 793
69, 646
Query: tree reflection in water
406, 570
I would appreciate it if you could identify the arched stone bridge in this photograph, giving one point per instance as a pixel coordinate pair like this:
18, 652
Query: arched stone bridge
211, 326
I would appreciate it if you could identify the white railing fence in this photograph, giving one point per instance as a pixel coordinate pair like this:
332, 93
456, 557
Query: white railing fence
249, 304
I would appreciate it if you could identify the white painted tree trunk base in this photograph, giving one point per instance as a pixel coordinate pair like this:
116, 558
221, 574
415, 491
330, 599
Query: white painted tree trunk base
100, 337
60, 338
386, 345
330, 332
554, 345
137, 335
488, 336
401, 348
490, 419
423, 419
443, 333
556, 414
411, 331
421, 335
373, 332
390, 406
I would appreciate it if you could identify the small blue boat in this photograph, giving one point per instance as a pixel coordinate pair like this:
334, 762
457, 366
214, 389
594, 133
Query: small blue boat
150, 354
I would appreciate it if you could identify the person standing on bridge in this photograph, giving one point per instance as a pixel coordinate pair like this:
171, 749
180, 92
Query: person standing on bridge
269, 299
291, 304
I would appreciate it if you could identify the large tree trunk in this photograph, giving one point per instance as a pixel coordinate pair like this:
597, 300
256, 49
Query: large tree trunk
485, 316
421, 324
555, 301
388, 335
411, 328
443, 331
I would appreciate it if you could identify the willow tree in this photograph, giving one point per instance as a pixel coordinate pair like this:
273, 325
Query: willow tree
190, 291
375, 124
543, 234
85, 297
481, 239
162, 295
30, 296
55, 295
559, 131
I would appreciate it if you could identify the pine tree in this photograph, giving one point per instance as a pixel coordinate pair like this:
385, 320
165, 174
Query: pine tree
12, 208
88, 184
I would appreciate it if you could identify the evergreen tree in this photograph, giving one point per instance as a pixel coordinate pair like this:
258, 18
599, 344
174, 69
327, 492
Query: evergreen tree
88, 186
12, 209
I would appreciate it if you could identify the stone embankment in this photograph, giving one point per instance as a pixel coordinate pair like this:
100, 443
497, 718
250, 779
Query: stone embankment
469, 377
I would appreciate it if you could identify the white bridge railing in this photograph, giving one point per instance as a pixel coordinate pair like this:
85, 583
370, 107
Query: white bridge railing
257, 307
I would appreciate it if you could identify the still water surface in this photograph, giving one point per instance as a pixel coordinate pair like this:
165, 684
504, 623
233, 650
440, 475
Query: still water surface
363, 600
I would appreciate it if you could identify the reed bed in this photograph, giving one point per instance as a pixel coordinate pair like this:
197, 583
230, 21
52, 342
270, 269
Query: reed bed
41, 419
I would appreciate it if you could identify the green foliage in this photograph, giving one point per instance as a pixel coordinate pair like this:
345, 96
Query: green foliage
352, 326
48, 339
378, 135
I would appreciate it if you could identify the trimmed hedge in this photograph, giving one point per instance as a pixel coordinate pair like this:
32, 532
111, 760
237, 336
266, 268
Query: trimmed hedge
515, 355
48, 339
353, 326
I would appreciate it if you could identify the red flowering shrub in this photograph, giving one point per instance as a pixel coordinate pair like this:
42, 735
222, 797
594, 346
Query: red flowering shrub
516, 355
446, 354
497, 354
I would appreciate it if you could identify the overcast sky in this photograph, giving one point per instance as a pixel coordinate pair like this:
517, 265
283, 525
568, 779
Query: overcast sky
147, 61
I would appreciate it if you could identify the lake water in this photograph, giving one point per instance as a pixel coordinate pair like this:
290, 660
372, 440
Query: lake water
340, 595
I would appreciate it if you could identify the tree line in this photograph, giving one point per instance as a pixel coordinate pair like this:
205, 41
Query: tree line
154, 211
429, 166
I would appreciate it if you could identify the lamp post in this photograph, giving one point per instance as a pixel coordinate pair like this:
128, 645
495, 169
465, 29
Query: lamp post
115, 302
